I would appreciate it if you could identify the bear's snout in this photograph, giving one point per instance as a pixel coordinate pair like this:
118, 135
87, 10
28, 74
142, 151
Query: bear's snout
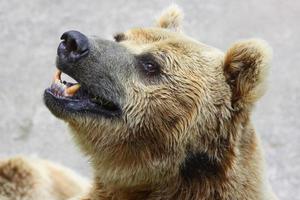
74, 46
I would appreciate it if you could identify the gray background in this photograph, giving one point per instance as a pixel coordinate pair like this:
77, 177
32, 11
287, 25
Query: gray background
29, 35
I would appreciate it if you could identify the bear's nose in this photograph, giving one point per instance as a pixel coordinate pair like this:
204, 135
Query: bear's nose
74, 46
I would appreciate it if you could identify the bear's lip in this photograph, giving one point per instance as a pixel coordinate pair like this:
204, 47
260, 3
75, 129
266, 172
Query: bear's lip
72, 97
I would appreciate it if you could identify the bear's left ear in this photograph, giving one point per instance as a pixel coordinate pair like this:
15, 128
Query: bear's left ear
171, 18
245, 67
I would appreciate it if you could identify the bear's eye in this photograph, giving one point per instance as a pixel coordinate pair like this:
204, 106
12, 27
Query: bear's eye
148, 64
150, 67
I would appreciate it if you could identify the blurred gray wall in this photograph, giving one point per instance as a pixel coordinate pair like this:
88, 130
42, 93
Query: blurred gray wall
29, 35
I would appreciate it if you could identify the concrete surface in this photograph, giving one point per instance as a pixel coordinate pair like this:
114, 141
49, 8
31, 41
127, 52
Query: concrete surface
29, 35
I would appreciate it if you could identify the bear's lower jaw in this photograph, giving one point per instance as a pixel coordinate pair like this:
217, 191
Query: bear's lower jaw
70, 108
66, 99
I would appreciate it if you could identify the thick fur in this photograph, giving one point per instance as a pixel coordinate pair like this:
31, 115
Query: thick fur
185, 134
33, 179
189, 134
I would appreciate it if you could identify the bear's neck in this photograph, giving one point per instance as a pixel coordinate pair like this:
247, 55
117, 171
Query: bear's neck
198, 177
201, 176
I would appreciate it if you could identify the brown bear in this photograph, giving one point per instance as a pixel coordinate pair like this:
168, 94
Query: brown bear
163, 116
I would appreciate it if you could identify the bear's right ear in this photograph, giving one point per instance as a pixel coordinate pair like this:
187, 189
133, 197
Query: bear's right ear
245, 67
171, 18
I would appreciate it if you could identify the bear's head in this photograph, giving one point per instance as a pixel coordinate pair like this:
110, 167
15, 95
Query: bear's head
155, 104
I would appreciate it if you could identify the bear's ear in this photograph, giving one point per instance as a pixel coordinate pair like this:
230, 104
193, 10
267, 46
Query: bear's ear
171, 18
245, 67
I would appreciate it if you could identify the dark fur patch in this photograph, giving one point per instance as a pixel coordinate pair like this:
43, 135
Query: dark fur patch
199, 165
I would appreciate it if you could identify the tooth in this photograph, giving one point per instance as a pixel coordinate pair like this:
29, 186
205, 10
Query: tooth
57, 76
70, 91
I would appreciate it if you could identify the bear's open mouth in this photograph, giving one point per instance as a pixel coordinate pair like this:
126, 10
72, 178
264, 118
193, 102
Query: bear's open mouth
73, 97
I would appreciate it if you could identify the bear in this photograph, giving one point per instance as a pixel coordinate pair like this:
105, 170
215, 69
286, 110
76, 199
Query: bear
162, 116
28, 178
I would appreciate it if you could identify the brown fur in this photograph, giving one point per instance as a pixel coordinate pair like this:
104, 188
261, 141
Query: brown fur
32, 179
200, 108
187, 134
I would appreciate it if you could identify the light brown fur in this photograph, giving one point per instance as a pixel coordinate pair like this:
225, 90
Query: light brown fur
34, 179
203, 105
186, 135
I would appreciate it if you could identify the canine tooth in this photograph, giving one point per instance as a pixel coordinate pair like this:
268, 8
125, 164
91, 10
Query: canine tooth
70, 91
57, 76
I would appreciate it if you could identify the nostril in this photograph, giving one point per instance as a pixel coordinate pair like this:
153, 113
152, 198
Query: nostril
74, 46
71, 45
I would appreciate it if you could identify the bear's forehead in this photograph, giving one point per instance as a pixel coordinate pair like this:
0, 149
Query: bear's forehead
148, 35
140, 40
